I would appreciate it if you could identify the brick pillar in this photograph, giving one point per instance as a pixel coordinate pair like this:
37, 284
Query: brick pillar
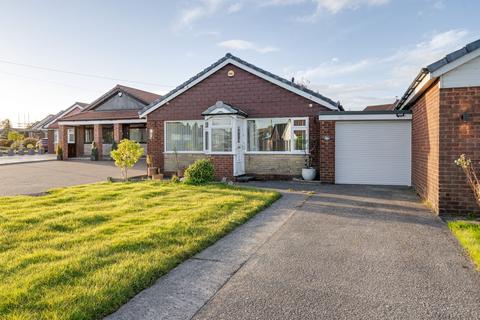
223, 164
50, 138
97, 137
155, 146
117, 132
62, 140
327, 152
79, 140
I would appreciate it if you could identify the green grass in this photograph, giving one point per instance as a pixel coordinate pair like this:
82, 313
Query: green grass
468, 233
81, 252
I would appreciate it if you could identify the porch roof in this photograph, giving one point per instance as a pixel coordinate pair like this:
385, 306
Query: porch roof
221, 108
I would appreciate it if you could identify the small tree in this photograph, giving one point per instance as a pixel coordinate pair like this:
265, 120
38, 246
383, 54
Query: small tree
126, 155
6, 127
15, 136
466, 164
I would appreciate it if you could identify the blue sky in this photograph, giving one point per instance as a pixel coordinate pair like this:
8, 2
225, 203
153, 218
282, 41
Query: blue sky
357, 51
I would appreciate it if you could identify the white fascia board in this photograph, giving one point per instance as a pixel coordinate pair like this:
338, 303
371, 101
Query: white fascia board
421, 87
364, 117
248, 69
90, 122
455, 64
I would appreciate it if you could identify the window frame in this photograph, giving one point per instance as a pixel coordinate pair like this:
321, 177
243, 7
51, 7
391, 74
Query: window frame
207, 131
56, 136
70, 134
89, 128
200, 122
293, 128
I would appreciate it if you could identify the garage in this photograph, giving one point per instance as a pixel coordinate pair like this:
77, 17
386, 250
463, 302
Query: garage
372, 148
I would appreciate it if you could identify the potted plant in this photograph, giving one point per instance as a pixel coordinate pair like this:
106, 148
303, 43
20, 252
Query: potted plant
94, 154
31, 150
21, 151
59, 152
11, 152
309, 172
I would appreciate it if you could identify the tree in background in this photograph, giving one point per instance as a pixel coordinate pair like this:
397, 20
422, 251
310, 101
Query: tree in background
6, 127
126, 155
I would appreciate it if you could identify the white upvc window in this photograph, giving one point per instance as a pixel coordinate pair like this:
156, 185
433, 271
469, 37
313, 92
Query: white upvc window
219, 135
277, 135
55, 136
71, 135
184, 136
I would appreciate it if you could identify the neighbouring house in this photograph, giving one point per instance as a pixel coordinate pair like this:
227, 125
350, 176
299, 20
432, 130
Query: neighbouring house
247, 120
112, 117
381, 107
51, 126
38, 127
445, 103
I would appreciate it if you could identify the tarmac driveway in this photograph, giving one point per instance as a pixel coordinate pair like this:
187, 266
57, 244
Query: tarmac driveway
353, 252
323, 252
36, 177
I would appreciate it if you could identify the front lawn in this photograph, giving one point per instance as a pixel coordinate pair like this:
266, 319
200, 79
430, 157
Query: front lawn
468, 233
81, 252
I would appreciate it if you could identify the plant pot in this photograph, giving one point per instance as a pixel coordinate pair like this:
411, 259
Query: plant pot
180, 173
157, 176
59, 157
21, 152
152, 171
309, 174
31, 152
11, 152
41, 151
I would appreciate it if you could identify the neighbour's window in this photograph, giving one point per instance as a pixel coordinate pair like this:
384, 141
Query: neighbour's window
71, 135
184, 136
55, 136
277, 135
88, 134
138, 133
107, 134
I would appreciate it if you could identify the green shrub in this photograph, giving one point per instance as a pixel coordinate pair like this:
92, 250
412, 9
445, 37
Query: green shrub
31, 141
15, 136
126, 155
16, 145
30, 146
5, 143
175, 179
201, 171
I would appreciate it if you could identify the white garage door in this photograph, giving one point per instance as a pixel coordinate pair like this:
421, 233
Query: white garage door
373, 152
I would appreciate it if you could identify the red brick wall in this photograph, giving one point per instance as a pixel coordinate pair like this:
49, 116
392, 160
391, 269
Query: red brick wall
327, 152
223, 166
155, 145
117, 132
256, 96
457, 137
79, 140
51, 145
98, 138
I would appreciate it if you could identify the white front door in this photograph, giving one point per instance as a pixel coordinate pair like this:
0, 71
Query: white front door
240, 146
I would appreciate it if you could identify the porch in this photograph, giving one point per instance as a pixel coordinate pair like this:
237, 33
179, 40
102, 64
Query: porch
76, 138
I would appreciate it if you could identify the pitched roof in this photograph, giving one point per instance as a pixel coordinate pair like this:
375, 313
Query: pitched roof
144, 96
427, 75
229, 58
379, 107
39, 124
53, 123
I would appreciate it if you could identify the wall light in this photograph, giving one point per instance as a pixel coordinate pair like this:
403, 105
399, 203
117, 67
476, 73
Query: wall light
465, 117
150, 133
326, 138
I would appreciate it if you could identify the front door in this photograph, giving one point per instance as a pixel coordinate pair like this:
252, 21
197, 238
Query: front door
72, 147
240, 146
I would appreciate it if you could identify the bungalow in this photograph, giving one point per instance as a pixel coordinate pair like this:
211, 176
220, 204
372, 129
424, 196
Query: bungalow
111, 117
247, 120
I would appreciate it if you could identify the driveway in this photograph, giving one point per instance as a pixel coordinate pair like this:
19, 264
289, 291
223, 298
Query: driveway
342, 252
31, 178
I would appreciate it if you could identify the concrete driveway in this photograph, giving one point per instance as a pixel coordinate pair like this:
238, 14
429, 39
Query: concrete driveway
340, 252
31, 178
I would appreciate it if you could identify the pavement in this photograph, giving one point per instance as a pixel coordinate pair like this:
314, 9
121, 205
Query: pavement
6, 160
38, 177
323, 252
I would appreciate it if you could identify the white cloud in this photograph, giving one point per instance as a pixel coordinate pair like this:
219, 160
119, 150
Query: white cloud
346, 80
235, 7
204, 9
335, 6
237, 44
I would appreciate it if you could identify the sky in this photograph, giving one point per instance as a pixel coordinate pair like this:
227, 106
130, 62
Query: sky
358, 52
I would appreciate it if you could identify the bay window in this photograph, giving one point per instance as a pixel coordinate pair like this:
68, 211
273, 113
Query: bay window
184, 136
283, 135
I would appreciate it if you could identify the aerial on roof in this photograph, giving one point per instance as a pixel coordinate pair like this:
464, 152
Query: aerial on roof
436, 69
229, 58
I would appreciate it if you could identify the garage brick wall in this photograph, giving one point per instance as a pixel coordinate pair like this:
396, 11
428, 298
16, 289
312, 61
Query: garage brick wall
425, 145
457, 137
256, 96
327, 151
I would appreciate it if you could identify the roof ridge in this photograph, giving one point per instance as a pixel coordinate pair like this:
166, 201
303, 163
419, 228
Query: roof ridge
452, 56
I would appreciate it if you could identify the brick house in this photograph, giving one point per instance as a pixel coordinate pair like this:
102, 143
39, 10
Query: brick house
247, 120
445, 102
111, 117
